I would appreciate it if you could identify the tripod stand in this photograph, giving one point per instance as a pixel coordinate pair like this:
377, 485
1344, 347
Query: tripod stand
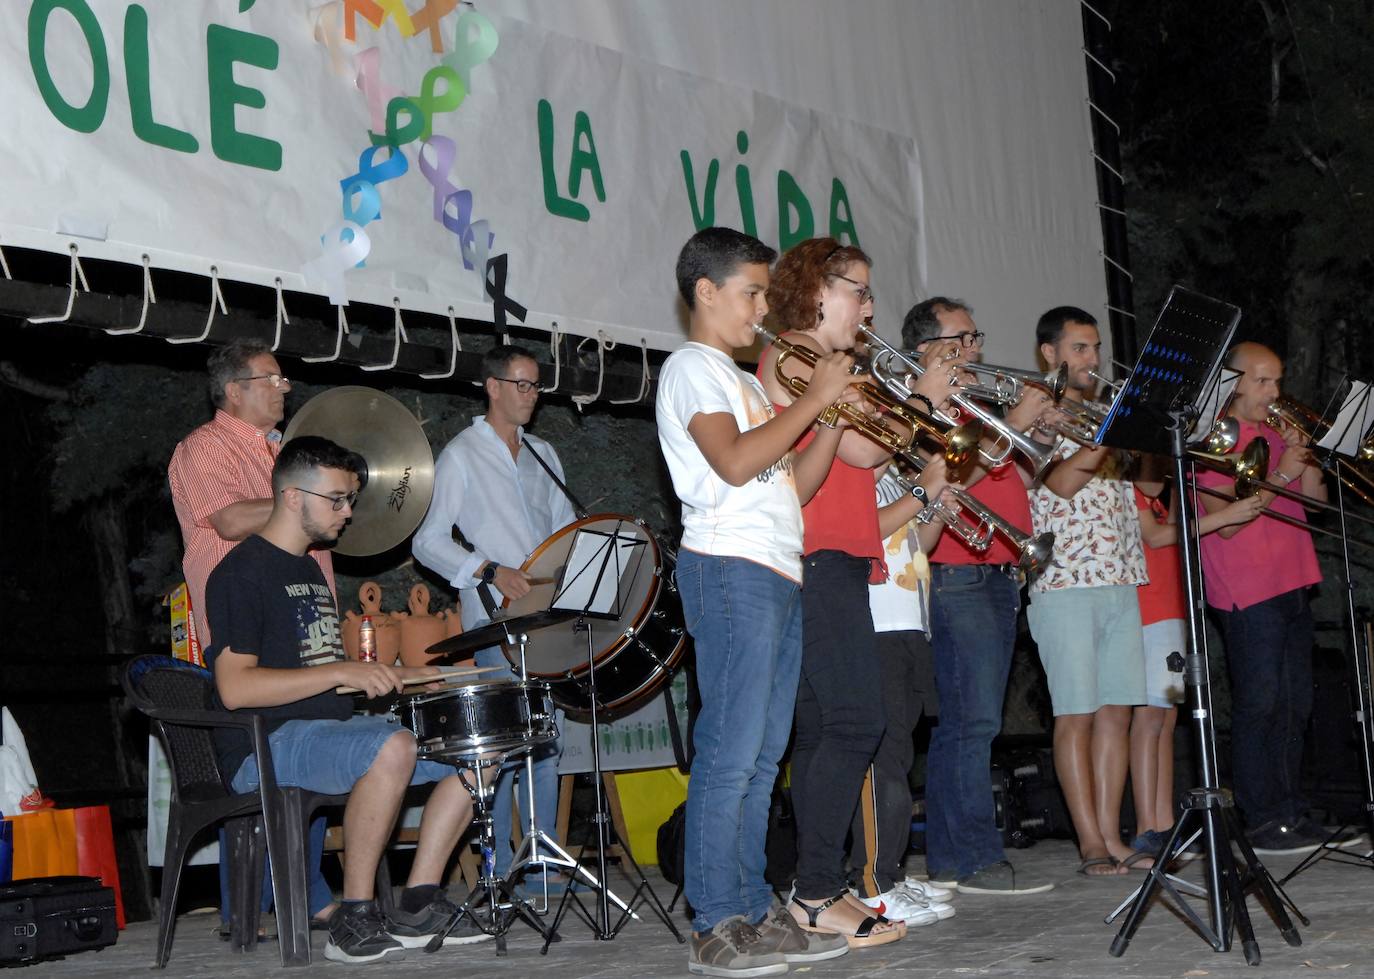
1331, 847
596, 567
1182, 354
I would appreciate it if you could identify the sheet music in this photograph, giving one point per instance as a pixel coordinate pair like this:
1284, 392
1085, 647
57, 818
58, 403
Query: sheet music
1217, 397
1352, 422
584, 585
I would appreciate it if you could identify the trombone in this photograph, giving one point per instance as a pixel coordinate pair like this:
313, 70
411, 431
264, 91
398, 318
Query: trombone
1033, 552
1250, 469
959, 441
1291, 412
891, 367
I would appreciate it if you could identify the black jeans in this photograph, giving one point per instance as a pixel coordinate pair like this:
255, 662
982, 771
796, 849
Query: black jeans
839, 719
1269, 652
882, 824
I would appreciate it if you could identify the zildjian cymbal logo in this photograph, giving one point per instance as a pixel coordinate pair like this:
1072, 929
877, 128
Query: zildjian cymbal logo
397, 497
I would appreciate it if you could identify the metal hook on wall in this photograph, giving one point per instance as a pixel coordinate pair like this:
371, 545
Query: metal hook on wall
78, 275
453, 358
149, 297
338, 342
400, 335
216, 298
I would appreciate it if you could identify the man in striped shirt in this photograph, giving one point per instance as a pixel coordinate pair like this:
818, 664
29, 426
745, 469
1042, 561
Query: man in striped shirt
221, 474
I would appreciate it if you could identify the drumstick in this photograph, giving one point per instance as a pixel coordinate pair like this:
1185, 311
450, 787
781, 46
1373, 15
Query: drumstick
445, 674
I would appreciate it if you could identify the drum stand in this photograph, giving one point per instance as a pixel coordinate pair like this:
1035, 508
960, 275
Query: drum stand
601, 926
503, 906
538, 848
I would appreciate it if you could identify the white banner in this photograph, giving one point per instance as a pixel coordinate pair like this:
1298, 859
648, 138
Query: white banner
240, 133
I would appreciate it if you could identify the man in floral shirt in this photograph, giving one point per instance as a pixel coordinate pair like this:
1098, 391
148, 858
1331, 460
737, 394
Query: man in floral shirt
1084, 614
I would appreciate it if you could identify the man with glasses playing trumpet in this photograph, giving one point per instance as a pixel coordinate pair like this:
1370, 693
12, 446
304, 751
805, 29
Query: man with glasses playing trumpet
1257, 576
974, 601
1084, 611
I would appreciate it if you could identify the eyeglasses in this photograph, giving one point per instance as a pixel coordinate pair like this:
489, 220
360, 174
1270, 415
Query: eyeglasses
276, 380
521, 385
337, 502
966, 339
865, 294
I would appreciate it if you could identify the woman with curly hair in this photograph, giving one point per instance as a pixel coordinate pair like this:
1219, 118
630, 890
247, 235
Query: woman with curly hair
819, 296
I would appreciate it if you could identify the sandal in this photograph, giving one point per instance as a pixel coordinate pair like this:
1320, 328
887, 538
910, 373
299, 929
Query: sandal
863, 936
1087, 866
1132, 862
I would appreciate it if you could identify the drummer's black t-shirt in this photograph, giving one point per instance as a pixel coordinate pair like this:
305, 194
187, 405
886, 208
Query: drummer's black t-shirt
275, 605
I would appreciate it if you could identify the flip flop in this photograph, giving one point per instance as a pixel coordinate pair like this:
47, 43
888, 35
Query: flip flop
1130, 862
863, 936
1085, 867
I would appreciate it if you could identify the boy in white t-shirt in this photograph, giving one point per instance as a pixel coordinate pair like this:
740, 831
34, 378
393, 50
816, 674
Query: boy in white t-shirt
739, 575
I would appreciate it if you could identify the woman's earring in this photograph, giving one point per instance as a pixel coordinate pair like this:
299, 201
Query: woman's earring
820, 312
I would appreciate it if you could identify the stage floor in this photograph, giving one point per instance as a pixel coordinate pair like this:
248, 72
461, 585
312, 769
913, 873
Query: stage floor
1060, 934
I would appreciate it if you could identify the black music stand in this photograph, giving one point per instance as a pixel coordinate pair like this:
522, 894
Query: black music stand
1352, 426
1153, 411
593, 583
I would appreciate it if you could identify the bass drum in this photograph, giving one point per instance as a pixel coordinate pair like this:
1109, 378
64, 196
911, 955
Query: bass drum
635, 653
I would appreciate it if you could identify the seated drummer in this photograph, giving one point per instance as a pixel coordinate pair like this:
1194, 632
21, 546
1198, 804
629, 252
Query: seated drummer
277, 653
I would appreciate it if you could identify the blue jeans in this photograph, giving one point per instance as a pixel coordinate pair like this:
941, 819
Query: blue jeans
545, 783
973, 633
745, 620
1269, 652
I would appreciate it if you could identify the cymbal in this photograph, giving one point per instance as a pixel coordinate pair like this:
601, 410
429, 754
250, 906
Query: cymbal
400, 463
495, 633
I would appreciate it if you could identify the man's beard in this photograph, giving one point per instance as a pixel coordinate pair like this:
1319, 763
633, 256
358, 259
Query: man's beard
317, 533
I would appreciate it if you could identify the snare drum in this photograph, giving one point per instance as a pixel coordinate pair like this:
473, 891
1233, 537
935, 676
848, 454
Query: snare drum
479, 721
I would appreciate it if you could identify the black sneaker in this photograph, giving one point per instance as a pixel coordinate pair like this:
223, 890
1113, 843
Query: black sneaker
1341, 838
415, 930
357, 935
1281, 839
999, 878
733, 948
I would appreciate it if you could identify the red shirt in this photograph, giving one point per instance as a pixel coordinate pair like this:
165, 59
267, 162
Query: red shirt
1163, 597
1005, 495
222, 462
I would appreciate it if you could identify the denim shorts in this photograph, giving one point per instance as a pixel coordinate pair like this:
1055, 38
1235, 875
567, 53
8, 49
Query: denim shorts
1091, 645
329, 756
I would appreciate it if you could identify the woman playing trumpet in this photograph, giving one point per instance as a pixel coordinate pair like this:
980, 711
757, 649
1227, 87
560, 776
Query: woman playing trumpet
819, 296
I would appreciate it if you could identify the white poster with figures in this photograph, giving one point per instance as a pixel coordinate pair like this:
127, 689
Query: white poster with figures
159, 803
642, 739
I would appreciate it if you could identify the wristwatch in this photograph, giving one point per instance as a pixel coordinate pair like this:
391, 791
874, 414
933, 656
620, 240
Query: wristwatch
919, 491
489, 572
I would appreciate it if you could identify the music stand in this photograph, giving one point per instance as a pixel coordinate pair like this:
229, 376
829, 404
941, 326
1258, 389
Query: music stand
1152, 412
594, 583
1352, 426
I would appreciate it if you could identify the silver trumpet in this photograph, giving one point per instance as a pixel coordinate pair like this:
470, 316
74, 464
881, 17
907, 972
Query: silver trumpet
1033, 552
891, 367
1009, 383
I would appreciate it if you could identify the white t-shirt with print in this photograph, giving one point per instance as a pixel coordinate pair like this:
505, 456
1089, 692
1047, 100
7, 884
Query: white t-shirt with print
902, 602
761, 520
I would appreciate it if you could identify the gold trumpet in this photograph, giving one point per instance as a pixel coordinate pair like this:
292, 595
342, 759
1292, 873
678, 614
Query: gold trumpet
1310, 424
959, 441
892, 367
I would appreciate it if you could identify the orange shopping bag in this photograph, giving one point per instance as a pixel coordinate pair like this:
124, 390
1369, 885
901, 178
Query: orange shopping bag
44, 843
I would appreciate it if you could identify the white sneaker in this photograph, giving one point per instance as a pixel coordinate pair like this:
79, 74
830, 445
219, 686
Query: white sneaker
901, 905
943, 908
932, 891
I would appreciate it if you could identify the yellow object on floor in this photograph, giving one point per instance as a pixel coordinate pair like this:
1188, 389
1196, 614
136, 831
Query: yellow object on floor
647, 798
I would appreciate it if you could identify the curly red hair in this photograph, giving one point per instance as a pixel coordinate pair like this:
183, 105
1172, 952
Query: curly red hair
794, 289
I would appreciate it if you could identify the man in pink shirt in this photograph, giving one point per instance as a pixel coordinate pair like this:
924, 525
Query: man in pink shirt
221, 473
1256, 577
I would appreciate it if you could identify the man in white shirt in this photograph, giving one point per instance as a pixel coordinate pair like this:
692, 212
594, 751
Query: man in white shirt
489, 483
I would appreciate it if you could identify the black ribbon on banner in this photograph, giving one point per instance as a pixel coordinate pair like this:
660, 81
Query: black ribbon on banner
501, 304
